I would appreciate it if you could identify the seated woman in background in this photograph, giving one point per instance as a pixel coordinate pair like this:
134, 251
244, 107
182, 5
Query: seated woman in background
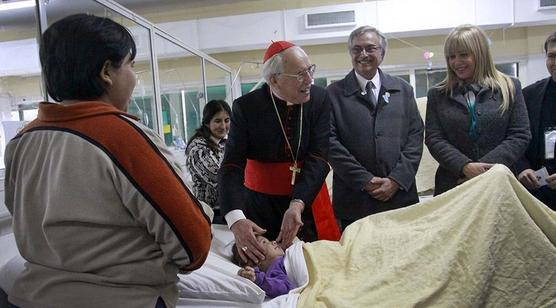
476, 117
205, 151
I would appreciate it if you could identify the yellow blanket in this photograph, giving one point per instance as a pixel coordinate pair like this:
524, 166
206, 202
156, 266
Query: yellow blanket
486, 243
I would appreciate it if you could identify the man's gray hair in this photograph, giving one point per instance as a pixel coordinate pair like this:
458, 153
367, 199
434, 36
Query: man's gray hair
275, 65
364, 29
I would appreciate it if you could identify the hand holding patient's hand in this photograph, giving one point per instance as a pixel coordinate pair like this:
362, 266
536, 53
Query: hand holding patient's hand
247, 272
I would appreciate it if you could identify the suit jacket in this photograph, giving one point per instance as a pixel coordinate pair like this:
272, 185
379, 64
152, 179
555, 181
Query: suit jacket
534, 96
255, 133
359, 150
501, 139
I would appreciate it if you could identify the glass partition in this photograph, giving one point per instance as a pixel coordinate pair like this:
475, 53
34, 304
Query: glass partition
181, 89
142, 103
174, 94
425, 79
20, 73
219, 83
171, 89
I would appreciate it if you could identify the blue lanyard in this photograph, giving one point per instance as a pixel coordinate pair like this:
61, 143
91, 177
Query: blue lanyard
470, 97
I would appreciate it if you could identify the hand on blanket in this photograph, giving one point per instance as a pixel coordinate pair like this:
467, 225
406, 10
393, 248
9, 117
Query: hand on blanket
551, 180
472, 170
247, 272
245, 232
290, 224
528, 178
385, 188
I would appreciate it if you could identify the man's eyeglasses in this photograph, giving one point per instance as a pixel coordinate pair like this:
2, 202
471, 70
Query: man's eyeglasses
301, 75
356, 50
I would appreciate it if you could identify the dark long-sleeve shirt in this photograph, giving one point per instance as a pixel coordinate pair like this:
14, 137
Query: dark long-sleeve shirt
255, 133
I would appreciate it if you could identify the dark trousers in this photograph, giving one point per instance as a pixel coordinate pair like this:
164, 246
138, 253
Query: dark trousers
547, 196
160, 303
267, 212
218, 218
346, 222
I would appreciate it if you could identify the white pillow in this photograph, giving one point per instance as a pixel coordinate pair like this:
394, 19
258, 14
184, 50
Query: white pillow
222, 241
217, 279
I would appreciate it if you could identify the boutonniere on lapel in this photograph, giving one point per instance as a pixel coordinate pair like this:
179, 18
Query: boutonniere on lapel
386, 97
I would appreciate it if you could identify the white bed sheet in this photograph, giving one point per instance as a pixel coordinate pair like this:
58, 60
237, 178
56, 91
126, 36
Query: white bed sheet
217, 265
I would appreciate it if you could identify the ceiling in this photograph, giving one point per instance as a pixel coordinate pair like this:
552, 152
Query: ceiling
16, 19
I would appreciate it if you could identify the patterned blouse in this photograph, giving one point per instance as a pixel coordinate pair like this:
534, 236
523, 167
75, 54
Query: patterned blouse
203, 165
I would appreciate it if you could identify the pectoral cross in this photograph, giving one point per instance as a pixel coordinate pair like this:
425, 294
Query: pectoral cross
294, 170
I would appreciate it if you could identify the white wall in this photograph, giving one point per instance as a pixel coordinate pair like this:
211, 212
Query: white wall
19, 58
400, 18
536, 69
528, 12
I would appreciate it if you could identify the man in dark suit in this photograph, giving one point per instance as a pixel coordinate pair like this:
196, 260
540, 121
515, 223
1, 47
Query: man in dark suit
376, 137
276, 157
540, 98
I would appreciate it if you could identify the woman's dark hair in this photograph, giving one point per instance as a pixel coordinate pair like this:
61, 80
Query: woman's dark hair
73, 51
211, 109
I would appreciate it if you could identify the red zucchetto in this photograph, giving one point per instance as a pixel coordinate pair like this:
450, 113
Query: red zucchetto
276, 47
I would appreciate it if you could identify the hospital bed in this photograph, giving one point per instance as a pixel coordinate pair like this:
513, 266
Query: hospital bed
486, 243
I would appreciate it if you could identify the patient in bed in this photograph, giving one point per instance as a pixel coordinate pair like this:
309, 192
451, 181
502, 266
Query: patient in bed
270, 274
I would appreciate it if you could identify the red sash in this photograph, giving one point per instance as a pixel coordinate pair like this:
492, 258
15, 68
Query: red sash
275, 179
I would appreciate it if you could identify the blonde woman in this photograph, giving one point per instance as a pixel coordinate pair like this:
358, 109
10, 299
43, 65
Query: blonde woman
476, 116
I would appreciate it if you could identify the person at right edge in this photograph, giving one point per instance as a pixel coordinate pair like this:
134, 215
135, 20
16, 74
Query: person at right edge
376, 137
540, 99
476, 117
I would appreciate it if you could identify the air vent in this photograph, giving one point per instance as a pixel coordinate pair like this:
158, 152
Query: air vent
330, 19
547, 4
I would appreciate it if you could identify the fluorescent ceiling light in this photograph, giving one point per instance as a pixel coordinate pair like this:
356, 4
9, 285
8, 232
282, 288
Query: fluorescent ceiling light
16, 5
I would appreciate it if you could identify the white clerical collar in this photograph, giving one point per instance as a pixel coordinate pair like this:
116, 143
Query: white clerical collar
363, 81
278, 96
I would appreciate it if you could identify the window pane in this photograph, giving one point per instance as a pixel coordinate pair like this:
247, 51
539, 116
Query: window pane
425, 79
247, 87
218, 83
142, 103
21, 86
510, 69
180, 75
320, 82
404, 77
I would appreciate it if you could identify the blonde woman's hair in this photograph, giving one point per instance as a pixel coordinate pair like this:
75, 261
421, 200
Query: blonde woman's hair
471, 39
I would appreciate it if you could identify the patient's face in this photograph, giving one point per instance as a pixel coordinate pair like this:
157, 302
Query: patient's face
272, 249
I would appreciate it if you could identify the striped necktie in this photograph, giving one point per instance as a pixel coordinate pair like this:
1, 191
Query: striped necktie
370, 95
